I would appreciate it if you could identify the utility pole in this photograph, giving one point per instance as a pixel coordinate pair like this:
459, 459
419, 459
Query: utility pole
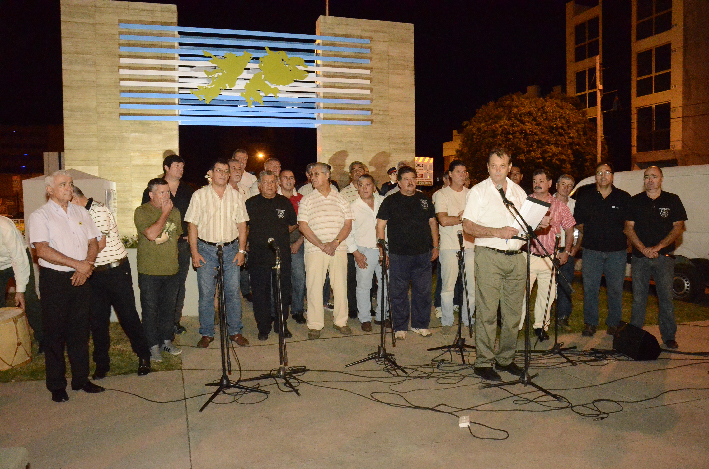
327, 7
599, 113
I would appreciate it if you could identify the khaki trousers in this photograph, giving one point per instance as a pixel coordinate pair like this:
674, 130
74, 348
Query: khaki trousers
317, 265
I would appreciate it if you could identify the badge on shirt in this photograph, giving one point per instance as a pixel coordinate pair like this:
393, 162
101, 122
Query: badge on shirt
664, 212
424, 204
281, 213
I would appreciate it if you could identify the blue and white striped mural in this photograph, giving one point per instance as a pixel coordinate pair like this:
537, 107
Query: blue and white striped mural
199, 76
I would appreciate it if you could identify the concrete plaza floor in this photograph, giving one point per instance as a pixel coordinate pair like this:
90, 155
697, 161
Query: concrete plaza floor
612, 412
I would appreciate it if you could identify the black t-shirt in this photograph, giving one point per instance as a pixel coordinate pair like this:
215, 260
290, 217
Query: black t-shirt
269, 218
181, 201
408, 228
654, 218
603, 219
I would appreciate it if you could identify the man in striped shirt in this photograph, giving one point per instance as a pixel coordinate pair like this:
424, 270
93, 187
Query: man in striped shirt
112, 285
558, 219
217, 219
325, 219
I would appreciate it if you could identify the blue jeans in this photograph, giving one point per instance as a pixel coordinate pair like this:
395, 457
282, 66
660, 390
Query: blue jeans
158, 294
662, 271
416, 270
364, 285
207, 283
563, 292
297, 277
595, 265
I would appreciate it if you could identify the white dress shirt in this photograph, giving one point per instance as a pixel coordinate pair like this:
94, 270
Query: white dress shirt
364, 224
13, 254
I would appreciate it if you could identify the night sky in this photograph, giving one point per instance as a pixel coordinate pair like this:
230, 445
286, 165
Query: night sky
467, 53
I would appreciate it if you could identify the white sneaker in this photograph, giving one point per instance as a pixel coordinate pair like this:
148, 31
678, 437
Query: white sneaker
439, 313
155, 355
400, 335
421, 332
168, 347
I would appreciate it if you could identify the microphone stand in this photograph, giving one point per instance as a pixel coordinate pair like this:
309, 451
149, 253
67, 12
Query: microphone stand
557, 348
525, 379
224, 382
381, 356
459, 344
284, 372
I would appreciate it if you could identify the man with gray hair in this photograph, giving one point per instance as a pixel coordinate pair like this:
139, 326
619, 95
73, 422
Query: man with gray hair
325, 219
66, 241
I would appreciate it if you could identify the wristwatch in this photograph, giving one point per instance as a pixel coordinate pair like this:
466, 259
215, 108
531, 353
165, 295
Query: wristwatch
338, 240
241, 251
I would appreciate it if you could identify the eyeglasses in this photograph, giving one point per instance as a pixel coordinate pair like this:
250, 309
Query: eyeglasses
221, 171
606, 172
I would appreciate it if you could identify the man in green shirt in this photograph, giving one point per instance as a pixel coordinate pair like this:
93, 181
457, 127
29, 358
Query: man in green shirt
159, 228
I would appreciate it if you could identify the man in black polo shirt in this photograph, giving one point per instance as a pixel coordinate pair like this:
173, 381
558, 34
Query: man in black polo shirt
271, 215
655, 221
412, 229
601, 215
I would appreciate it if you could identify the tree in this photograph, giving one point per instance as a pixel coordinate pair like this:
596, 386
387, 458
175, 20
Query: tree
548, 132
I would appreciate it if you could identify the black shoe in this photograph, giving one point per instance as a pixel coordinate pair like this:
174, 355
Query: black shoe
89, 387
387, 323
487, 373
144, 366
248, 297
671, 344
299, 318
286, 333
60, 395
512, 368
353, 314
40, 348
263, 336
179, 329
329, 305
99, 374
589, 330
612, 330
563, 324
541, 334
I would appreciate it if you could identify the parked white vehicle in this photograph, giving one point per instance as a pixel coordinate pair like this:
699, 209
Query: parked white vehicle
691, 184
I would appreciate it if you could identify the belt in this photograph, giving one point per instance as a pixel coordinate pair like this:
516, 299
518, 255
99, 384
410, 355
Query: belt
110, 265
219, 244
506, 253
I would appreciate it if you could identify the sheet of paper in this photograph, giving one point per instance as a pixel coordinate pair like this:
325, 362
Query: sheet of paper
533, 210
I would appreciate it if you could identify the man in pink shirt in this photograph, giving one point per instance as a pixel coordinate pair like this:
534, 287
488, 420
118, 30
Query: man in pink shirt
557, 219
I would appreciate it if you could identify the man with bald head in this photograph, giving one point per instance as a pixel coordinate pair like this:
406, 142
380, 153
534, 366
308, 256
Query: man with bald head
656, 219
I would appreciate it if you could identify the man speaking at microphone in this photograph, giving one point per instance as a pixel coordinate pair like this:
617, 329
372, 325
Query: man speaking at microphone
500, 270
271, 220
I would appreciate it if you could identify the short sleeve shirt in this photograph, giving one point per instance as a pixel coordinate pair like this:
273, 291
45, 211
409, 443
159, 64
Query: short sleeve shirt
654, 218
325, 216
269, 218
603, 220
451, 203
408, 223
157, 257
181, 201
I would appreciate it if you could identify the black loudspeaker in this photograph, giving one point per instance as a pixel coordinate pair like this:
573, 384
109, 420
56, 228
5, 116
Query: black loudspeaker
635, 343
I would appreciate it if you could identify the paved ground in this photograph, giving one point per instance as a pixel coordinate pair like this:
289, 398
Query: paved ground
612, 412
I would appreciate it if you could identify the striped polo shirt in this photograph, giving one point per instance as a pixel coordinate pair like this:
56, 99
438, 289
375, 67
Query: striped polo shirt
325, 216
106, 224
217, 218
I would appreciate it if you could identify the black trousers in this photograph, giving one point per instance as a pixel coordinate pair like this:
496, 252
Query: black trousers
65, 319
114, 287
263, 278
351, 286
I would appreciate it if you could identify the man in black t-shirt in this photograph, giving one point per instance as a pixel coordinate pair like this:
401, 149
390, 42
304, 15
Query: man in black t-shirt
271, 216
412, 229
600, 215
655, 221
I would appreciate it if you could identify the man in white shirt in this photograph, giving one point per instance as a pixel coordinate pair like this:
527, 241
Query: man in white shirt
217, 220
449, 206
66, 241
325, 219
249, 182
350, 194
500, 268
362, 244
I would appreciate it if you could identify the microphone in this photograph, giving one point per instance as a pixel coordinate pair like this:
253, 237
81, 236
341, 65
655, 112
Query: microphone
381, 242
502, 193
272, 244
460, 237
